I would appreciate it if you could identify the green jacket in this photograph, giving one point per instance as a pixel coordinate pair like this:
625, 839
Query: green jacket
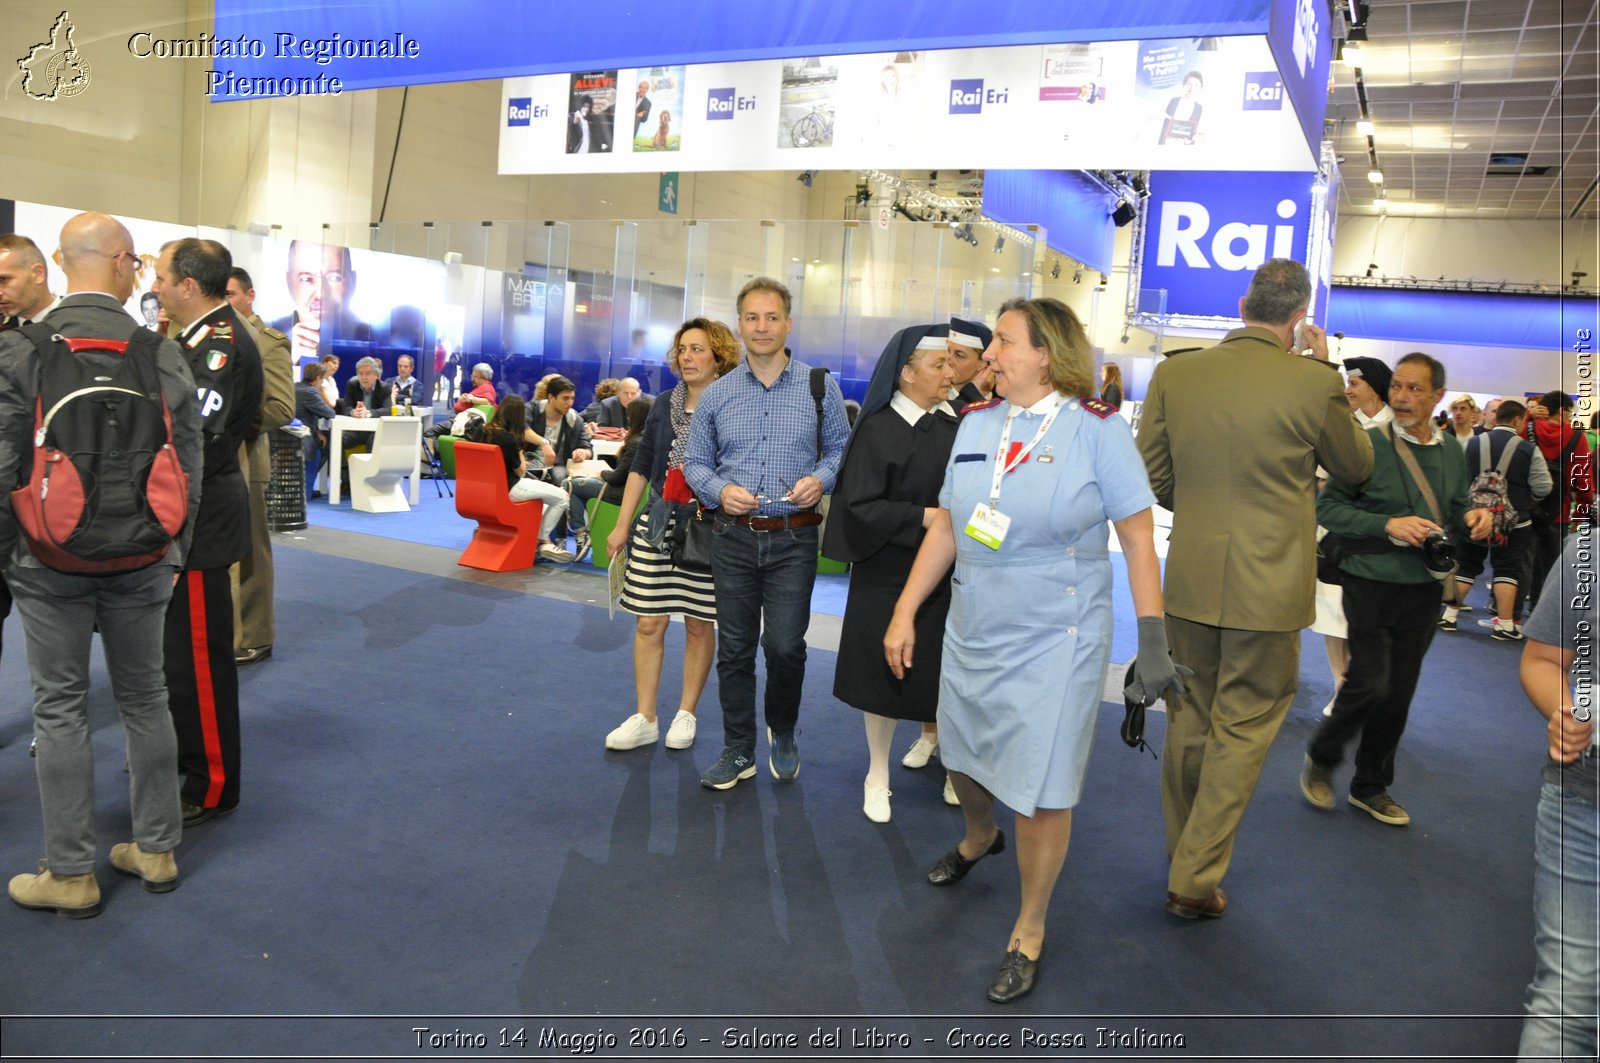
1362, 511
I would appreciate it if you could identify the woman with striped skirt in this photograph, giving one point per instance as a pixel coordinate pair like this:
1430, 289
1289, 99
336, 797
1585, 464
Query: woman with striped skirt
654, 588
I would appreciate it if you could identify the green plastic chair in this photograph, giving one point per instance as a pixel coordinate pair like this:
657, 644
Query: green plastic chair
603, 518
445, 445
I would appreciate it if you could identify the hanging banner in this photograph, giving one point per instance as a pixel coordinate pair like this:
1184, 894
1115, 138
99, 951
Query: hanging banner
1205, 234
262, 46
1167, 103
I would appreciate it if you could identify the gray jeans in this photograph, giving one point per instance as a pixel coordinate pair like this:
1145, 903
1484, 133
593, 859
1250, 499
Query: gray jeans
59, 612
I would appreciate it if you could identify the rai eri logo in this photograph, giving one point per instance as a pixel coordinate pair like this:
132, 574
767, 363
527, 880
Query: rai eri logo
54, 69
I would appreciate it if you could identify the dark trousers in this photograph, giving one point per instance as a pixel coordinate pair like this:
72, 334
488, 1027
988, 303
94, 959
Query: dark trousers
203, 687
763, 579
1391, 626
1544, 546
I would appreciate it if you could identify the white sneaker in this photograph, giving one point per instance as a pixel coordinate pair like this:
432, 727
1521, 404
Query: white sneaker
950, 797
876, 803
681, 734
920, 752
552, 552
635, 731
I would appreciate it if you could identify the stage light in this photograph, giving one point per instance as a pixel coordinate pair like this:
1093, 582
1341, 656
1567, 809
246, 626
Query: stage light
1055, 271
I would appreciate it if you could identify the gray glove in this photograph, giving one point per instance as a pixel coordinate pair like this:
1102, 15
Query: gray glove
1154, 674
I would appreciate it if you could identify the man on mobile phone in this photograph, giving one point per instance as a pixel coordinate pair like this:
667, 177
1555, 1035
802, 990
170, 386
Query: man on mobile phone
1242, 561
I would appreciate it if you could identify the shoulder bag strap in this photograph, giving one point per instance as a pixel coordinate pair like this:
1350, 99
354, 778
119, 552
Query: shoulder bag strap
1409, 460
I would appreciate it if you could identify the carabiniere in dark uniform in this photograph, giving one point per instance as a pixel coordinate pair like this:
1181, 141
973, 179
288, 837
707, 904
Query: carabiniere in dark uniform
202, 679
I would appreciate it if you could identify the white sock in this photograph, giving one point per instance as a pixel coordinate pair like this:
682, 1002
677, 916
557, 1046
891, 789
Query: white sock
880, 733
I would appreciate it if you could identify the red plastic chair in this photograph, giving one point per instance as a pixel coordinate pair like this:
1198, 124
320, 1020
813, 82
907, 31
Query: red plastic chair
507, 538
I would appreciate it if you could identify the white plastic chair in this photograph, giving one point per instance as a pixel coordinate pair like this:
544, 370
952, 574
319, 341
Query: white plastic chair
377, 480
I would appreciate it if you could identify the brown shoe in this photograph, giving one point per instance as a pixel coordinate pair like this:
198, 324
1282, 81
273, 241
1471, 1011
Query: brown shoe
1316, 783
72, 896
1212, 907
158, 870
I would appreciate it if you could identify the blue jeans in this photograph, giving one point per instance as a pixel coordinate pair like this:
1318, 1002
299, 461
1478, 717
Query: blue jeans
582, 488
1561, 1009
761, 578
59, 612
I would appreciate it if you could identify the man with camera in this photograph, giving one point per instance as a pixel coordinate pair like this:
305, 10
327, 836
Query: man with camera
1405, 523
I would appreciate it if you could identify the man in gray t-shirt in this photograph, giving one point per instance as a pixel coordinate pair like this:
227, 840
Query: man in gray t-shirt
1558, 674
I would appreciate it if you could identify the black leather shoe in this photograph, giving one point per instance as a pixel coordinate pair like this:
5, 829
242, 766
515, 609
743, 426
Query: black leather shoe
953, 867
194, 815
1014, 979
252, 654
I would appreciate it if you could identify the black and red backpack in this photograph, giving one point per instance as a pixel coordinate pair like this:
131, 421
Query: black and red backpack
104, 492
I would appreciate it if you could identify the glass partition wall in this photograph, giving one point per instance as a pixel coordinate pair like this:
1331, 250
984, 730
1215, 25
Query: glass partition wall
596, 299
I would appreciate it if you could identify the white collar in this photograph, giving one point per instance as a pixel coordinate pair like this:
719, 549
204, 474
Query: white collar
1383, 416
1044, 405
910, 412
1438, 436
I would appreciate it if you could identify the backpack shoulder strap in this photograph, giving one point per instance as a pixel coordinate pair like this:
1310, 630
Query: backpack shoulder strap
1503, 466
819, 388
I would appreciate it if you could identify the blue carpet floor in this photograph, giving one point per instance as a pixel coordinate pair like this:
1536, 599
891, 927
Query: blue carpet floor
432, 835
433, 521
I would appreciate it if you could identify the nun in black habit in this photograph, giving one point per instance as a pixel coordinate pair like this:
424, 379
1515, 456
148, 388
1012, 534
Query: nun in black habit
888, 488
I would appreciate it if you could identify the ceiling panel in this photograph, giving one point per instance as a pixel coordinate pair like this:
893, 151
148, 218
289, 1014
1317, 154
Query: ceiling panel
1448, 81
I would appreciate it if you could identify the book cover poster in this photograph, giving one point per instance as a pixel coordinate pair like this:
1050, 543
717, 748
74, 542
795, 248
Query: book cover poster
658, 108
806, 103
592, 113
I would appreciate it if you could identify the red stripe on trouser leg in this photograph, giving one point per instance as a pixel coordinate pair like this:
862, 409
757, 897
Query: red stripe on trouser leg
204, 695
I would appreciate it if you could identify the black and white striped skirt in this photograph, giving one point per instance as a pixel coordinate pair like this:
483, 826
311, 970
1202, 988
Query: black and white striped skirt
653, 585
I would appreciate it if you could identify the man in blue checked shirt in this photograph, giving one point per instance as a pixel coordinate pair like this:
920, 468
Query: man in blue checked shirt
757, 458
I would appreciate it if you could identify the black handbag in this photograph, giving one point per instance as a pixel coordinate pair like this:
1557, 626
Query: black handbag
690, 541
1332, 548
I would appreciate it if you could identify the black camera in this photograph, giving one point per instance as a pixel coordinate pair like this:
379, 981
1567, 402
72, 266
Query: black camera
1439, 555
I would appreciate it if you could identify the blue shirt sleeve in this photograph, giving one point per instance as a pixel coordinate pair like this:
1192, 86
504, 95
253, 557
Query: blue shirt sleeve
700, 459
1119, 469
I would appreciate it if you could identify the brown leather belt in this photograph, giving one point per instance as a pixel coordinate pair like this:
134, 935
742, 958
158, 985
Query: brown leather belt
806, 519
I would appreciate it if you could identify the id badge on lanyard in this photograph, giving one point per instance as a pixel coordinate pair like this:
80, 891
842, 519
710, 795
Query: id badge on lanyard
987, 524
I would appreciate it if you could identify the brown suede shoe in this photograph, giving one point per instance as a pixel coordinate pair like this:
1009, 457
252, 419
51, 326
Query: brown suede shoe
158, 870
1212, 907
72, 896
1316, 784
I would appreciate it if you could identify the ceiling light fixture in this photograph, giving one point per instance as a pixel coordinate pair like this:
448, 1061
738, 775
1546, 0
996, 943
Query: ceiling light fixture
1375, 176
1365, 127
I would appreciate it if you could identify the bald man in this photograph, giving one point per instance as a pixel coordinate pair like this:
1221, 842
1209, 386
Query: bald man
60, 610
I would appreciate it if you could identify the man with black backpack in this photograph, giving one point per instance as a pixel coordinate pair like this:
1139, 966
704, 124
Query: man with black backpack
764, 447
202, 676
144, 388
1509, 478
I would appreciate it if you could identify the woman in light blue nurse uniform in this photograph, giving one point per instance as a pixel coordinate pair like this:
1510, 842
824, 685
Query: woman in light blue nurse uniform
1031, 482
